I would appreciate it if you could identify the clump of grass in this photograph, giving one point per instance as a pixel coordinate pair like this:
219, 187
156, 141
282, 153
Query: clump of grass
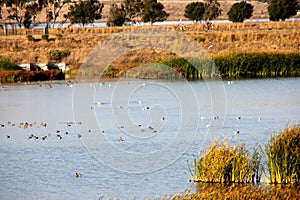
7, 64
58, 55
30, 38
201, 39
110, 71
225, 164
283, 156
58, 35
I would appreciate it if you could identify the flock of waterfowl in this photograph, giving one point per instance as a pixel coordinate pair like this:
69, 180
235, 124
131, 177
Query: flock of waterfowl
60, 134
238, 118
27, 125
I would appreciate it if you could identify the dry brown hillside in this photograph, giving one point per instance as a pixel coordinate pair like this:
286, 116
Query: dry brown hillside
239, 37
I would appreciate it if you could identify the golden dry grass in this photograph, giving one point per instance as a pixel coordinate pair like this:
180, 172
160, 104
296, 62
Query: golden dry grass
224, 38
237, 191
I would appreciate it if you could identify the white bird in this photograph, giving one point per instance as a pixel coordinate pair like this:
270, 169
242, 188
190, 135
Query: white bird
238, 118
236, 132
208, 125
259, 119
140, 102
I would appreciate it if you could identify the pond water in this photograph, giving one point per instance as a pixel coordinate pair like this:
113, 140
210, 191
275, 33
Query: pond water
137, 138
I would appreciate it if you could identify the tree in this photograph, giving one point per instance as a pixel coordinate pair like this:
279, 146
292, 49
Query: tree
282, 9
16, 10
53, 8
31, 12
134, 10
117, 15
194, 11
1, 10
212, 9
154, 12
85, 12
240, 11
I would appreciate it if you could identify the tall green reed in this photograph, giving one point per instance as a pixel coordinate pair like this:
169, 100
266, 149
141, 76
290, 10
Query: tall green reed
283, 156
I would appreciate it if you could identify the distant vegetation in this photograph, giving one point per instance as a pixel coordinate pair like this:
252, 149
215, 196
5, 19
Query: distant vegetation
239, 12
258, 64
239, 65
282, 9
24, 76
195, 11
84, 12
24, 13
133, 11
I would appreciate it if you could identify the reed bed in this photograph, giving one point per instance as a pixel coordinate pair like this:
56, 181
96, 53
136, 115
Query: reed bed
222, 163
258, 64
226, 164
239, 65
25, 76
283, 156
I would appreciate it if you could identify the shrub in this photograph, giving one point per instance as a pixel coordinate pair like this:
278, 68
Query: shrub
7, 64
59, 36
45, 37
283, 156
30, 38
58, 55
201, 39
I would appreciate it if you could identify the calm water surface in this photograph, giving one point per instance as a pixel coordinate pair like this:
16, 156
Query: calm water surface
102, 113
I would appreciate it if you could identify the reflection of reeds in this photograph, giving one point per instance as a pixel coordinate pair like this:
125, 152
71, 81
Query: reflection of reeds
283, 156
226, 164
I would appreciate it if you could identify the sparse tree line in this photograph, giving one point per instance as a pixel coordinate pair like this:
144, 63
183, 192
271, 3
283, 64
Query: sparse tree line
24, 12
